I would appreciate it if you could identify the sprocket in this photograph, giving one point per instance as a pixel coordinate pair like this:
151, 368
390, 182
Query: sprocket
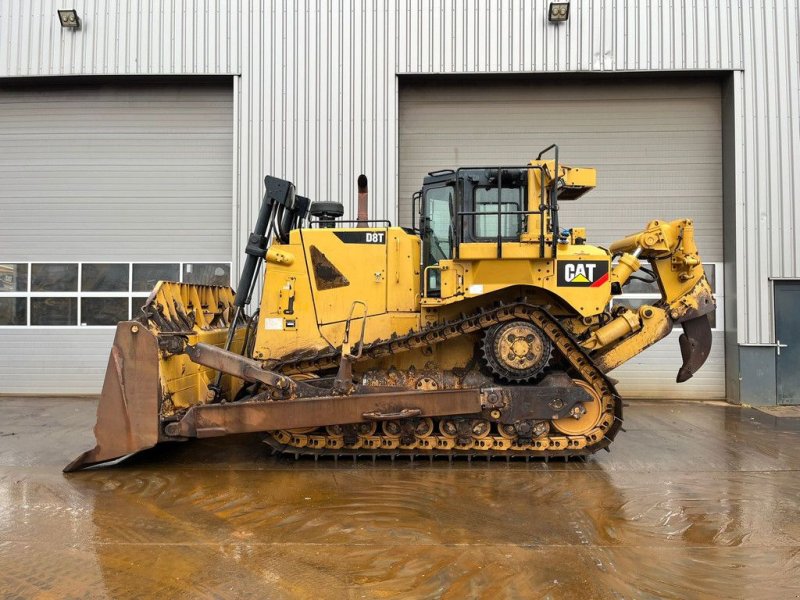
516, 351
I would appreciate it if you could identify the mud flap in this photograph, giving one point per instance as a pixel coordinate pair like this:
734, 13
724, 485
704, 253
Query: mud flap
695, 342
128, 412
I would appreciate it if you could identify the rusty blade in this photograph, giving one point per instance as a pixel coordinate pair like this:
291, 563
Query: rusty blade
695, 342
128, 412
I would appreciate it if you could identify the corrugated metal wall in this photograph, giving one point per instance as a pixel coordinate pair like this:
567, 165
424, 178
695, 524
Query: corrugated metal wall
116, 173
317, 96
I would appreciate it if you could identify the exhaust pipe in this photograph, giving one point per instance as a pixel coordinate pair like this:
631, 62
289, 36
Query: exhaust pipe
363, 201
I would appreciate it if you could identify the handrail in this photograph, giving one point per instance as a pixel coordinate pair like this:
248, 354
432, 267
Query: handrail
543, 207
386, 222
553, 197
346, 341
416, 195
425, 278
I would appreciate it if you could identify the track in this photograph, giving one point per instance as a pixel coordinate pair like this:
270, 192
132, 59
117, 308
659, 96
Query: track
433, 439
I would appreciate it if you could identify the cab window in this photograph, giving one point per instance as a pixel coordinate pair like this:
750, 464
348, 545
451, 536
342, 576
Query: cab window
486, 202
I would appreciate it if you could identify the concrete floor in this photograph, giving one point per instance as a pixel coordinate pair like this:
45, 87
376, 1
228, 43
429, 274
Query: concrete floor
695, 500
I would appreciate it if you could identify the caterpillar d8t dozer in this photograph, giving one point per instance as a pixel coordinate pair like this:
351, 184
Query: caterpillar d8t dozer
485, 331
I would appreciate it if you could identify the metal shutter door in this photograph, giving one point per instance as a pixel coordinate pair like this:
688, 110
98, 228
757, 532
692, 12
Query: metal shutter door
656, 146
107, 172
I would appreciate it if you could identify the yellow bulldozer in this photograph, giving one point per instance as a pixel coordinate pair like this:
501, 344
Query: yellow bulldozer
485, 330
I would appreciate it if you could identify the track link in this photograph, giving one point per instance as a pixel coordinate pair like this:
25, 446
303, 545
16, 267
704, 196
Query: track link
320, 442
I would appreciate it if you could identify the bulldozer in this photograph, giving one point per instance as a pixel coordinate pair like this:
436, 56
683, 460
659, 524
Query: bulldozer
485, 330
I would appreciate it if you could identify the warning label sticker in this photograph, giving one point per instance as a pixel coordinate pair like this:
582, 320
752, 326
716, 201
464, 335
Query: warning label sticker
582, 273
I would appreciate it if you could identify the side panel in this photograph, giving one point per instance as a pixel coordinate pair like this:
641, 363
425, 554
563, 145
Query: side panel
346, 265
305, 304
402, 273
287, 319
580, 275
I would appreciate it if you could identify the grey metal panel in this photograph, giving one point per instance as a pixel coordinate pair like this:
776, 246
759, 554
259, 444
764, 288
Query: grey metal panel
116, 172
757, 374
53, 361
656, 145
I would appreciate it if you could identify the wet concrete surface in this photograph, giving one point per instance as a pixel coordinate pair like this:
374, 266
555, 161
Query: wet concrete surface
695, 500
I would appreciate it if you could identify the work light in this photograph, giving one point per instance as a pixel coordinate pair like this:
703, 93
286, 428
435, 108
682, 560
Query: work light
69, 18
559, 12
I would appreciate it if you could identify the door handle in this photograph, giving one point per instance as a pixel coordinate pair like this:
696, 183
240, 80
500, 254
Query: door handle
778, 345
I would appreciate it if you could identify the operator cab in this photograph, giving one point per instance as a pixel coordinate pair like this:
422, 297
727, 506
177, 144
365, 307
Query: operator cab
473, 213
469, 206
484, 206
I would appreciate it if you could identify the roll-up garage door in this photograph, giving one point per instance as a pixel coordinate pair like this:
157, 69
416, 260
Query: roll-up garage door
657, 149
104, 189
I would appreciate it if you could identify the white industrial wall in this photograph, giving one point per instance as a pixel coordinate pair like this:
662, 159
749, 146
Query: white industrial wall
316, 100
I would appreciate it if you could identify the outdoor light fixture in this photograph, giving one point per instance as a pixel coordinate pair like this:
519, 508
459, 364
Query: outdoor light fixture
559, 12
69, 19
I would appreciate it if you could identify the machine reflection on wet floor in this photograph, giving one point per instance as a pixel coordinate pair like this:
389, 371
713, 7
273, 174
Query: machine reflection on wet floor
696, 500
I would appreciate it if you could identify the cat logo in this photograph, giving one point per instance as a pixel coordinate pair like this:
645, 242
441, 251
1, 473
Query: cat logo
582, 273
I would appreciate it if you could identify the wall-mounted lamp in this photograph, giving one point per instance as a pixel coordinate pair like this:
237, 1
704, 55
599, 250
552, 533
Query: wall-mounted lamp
69, 19
559, 12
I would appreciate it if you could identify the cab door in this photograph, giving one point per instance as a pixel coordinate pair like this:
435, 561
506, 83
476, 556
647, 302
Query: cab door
437, 233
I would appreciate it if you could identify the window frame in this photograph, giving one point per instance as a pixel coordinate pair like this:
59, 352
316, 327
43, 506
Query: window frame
719, 287
79, 293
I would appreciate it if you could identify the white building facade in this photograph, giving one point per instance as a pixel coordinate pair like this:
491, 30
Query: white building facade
135, 146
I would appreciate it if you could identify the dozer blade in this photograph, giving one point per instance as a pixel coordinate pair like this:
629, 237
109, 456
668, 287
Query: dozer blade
128, 413
695, 342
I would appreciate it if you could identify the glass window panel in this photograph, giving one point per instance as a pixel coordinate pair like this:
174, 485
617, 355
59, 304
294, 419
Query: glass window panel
13, 311
54, 311
208, 274
13, 277
711, 275
438, 204
103, 311
55, 277
634, 286
486, 201
137, 302
145, 277
98, 277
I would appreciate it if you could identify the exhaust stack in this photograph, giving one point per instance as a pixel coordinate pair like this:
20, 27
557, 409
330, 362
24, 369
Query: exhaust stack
363, 199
